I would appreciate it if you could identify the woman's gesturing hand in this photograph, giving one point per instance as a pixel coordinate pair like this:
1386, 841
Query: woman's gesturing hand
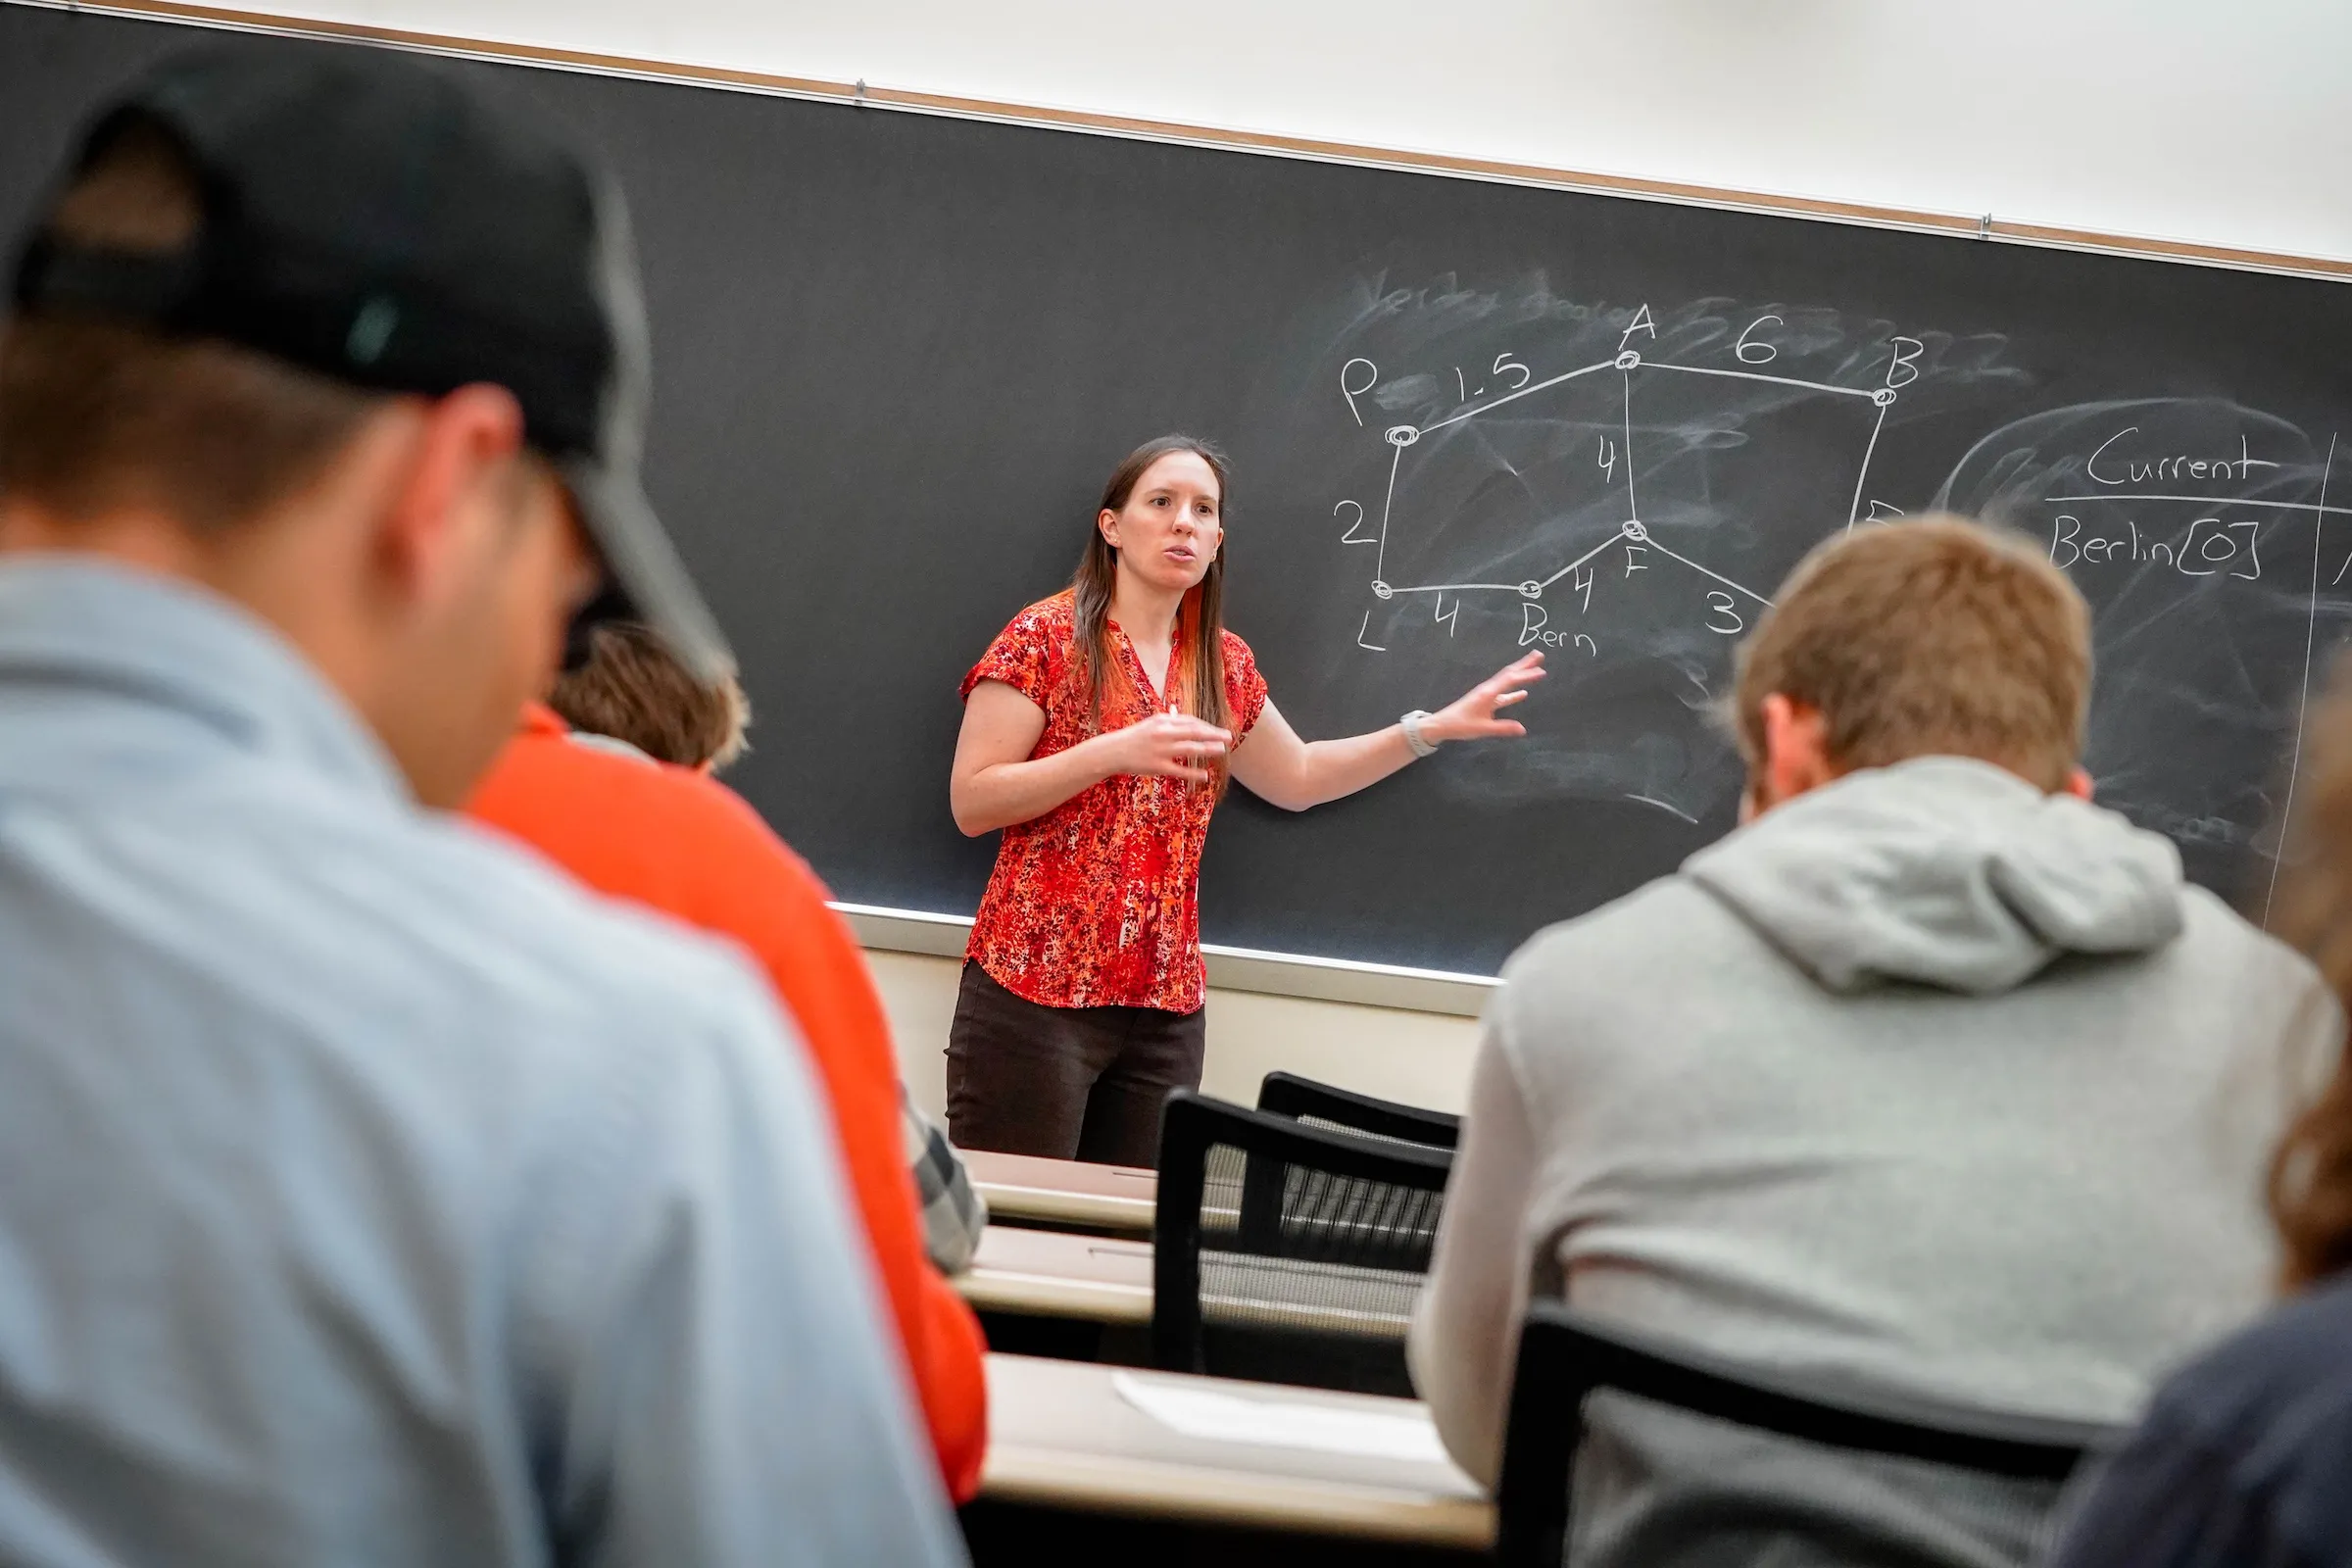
1474, 715
1171, 745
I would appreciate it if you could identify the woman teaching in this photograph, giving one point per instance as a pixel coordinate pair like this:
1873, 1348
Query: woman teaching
1099, 730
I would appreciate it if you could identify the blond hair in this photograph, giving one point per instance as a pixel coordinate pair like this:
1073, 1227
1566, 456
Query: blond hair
633, 689
1933, 636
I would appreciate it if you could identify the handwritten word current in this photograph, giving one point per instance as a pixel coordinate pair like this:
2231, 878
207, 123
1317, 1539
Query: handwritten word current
2136, 470
2195, 555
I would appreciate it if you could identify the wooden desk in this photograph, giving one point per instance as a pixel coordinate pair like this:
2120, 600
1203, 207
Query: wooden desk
1026, 1190
1054, 1274
1061, 1435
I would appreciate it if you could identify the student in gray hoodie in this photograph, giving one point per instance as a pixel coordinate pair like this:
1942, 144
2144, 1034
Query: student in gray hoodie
1932, 1078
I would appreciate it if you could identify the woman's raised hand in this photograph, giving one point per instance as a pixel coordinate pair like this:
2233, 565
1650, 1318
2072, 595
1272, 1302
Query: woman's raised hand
1474, 715
1170, 745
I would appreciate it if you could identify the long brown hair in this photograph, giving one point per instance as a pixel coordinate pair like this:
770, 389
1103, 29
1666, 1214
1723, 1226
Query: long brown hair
1196, 664
2311, 1179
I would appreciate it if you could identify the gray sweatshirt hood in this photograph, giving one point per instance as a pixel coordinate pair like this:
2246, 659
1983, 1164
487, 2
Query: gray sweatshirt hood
1943, 871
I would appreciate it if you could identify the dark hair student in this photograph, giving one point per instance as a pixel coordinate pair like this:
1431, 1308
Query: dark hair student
1098, 733
2241, 1458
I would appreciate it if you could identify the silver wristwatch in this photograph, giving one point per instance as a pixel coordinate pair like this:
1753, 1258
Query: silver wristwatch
1421, 744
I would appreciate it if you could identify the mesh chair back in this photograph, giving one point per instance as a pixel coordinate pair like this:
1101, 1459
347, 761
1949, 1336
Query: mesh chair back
1565, 1357
1323, 1105
1286, 1252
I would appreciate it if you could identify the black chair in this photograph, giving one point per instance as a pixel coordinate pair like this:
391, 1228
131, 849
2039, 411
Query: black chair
1322, 1106
1565, 1357
1287, 1253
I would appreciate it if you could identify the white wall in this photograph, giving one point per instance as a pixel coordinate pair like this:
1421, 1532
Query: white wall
2211, 122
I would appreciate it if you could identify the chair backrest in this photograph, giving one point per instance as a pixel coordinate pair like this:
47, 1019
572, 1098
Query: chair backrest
1321, 1104
1286, 1251
1565, 1357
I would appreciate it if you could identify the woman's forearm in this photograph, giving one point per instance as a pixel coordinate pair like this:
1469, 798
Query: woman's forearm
1277, 766
1329, 769
1011, 793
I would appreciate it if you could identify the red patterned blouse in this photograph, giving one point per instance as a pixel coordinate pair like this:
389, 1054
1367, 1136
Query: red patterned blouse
1097, 903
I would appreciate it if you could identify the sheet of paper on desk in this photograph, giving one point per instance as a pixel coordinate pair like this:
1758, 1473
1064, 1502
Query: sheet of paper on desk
1405, 1434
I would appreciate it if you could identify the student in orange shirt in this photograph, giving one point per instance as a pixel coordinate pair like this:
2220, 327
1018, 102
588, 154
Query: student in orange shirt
682, 843
632, 697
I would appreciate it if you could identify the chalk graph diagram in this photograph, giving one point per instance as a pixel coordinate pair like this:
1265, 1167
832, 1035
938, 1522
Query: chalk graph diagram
1626, 494
1631, 531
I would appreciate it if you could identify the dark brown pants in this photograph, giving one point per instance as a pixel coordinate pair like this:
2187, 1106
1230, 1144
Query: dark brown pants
1068, 1083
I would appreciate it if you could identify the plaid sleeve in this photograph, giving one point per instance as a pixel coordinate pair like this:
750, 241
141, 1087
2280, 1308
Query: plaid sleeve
954, 1215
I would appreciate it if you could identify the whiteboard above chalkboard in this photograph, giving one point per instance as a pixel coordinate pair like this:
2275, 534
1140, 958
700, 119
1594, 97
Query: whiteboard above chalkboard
860, 95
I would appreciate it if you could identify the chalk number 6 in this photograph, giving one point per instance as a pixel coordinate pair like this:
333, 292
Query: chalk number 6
1756, 353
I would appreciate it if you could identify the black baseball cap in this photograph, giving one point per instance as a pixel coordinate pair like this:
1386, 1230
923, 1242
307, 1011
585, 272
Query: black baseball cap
383, 221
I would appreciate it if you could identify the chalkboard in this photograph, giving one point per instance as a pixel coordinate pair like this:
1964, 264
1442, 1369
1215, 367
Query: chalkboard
896, 355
